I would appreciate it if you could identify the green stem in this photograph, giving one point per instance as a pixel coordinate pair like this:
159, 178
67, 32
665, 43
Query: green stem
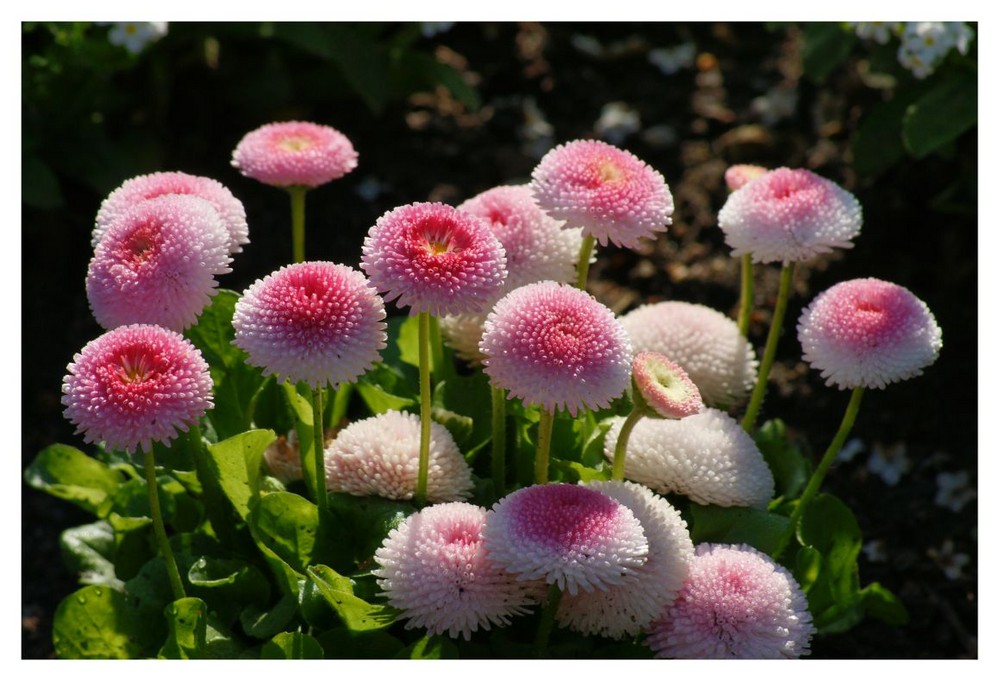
757, 398
746, 294
548, 619
542, 448
173, 574
318, 450
618, 467
499, 440
298, 195
829, 457
423, 343
583, 264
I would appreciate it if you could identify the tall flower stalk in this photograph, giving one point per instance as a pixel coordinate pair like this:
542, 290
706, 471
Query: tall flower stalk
770, 348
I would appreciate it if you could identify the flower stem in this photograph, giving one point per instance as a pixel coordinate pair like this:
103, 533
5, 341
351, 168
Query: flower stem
824, 465
746, 294
548, 619
423, 343
583, 264
499, 440
618, 467
173, 574
318, 450
298, 195
542, 448
757, 398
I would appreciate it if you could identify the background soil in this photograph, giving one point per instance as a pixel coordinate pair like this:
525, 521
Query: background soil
741, 98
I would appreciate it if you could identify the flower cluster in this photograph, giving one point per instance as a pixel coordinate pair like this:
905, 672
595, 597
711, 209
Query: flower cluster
923, 45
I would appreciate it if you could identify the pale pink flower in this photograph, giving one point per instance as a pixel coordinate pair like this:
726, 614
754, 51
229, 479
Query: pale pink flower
568, 535
432, 258
608, 192
379, 455
789, 215
868, 333
555, 346
136, 385
150, 186
737, 603
664, 387
157, 263
317, 322
738, 175
295, 154
434, 568
704, 342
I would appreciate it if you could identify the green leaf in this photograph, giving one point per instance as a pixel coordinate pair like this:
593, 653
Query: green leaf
737, 525
133, 541
213, 334
39, 185
881, 603
88, 550
265, 624
369, 519
289, 525
187, 626
356, 613
941, 115
789, 468
96, 622
345, 644
237, 462
67, 473
379, 401
180, 510
878, 144
408, 341
430, 648
299, 398
228, 585
826, 46
470, 398
292, 645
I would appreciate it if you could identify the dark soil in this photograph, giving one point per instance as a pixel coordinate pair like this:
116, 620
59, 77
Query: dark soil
694, 124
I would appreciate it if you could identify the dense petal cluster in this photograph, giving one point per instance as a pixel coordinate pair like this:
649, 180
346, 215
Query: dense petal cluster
707, 457
379, 456
789, 215
136, 385
462, 333
568, 535
704, 342
868, 333
608, 192
295, 154
434, 258
317, 322
144, 187
627, 608
157, 263
737, 603
434, 569
664, 387
739, 175
554, 345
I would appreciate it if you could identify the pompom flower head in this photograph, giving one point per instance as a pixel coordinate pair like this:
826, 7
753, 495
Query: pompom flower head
555, 346
434, 258
788, 216
157, 263
704, 342
739, 175
568, 535
378, 456
295, 154
737, 603
608, 192
627, 608
150, 186
663, 387
317, 322
868, 333
707, 457
136, 385
434, 568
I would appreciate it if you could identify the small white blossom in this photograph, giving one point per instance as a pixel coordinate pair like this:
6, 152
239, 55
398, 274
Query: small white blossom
874, 551
879, 31
925, 44
135, 35
953, 490
588, 45
429, 29
618, 120
949, 561
851, 448
670, 60
889, 463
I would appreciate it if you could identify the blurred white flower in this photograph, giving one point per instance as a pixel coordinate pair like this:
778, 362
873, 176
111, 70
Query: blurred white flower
537, 132
777, 103
874, 551
135, 35
925, 44
879, 31
429, 29
851, 448
589, 45
618, 120
953, 490
889, 463
369, 188
670, 60
948, 560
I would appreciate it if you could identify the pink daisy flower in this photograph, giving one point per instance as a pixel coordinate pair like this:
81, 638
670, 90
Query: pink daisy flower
143, 187
136, 385
868, 333
739, 175
317, 322
704, 342
435, 569
608, 192
707, 457
789, 215
432, 258
378, 456
555, 346
627, 608
568, 535
664, 387
737, 603
295, 154
157, 263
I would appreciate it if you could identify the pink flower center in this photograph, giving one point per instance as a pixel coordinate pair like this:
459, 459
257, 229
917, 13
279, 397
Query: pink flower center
139, 247
609, 172
565, 517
